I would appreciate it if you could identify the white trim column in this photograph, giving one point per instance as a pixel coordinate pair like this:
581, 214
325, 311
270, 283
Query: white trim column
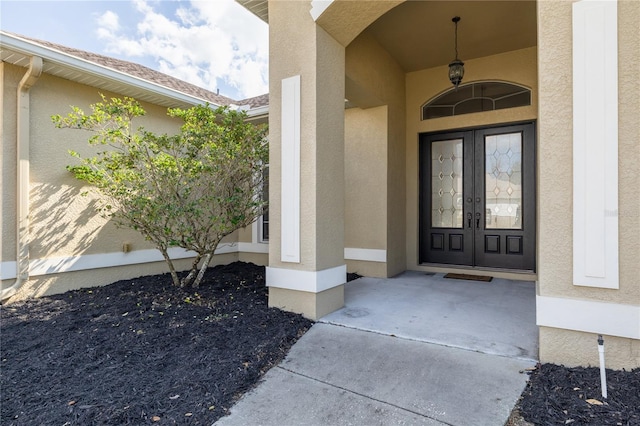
290, 175
595, 144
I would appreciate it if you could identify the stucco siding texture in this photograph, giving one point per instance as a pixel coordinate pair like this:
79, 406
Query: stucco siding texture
629, 147
555, 153
306, 50
329, 151
555, 184
365, 178
11, 76
379, 77
63, 222
345, 20
574, 348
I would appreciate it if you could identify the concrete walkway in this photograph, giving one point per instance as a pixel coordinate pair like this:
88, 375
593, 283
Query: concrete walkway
375, 361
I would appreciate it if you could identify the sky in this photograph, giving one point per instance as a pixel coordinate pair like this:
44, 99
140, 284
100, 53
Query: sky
215, 44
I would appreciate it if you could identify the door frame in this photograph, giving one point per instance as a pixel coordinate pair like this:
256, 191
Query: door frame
530, 197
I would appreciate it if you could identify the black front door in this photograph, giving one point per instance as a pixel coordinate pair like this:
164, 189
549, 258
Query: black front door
477, 197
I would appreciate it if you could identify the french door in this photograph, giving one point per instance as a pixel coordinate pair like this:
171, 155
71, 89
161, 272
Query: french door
477, 197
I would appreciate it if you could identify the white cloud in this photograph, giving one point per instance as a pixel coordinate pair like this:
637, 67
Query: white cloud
214, 44
109, 21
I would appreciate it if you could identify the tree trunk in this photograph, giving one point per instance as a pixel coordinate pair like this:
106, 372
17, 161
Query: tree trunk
203, 268
192, 273
172, 270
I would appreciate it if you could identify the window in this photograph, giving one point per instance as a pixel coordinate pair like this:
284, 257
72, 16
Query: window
476, 97
263, 221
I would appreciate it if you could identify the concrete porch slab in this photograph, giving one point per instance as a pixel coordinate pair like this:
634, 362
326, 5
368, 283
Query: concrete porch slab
497, 317
415, 349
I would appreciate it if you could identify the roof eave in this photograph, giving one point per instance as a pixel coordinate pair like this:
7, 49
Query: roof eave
260, 8
81, 65
258, 111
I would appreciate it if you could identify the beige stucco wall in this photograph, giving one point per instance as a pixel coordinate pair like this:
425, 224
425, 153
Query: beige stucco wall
10, 77
575, 348
257, 258
63, 223
546, 69
367, 268
365, 178
556, 136
307, 50
346, 19
375, 76
518, 67
555, 199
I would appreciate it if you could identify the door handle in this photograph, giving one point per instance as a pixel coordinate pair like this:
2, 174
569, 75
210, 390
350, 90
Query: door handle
469, 219
478, 220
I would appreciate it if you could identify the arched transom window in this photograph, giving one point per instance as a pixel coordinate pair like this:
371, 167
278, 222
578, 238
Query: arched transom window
476, 97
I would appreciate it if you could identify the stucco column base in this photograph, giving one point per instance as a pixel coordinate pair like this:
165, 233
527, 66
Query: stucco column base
576, 348
311, 305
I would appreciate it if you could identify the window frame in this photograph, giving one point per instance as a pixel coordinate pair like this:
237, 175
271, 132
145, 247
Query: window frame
448, 102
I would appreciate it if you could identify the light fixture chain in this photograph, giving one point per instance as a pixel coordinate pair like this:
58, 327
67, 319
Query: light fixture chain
456, 39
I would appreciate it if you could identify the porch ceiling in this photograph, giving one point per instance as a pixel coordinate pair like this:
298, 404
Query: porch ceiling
420, 34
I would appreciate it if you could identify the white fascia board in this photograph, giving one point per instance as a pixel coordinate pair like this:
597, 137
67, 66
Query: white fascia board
611, 319
259, 111
29, 48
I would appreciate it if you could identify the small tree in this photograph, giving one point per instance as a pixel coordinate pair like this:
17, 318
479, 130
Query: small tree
188, 190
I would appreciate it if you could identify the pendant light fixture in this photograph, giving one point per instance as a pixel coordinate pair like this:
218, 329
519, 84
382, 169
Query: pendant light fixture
456, 67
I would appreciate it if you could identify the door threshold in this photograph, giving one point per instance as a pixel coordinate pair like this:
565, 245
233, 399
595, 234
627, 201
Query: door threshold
511, 274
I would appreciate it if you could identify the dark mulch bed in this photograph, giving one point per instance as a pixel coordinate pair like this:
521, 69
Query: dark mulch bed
144, 352
557, 395
141, 351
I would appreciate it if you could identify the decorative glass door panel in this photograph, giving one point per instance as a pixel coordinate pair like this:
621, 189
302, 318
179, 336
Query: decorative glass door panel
446, 184
477, 197
503, 181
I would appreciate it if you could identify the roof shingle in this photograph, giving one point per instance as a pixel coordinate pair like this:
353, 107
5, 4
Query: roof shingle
151, 75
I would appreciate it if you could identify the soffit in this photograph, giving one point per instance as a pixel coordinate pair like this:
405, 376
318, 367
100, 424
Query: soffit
58, 70
420, 34
260, 8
